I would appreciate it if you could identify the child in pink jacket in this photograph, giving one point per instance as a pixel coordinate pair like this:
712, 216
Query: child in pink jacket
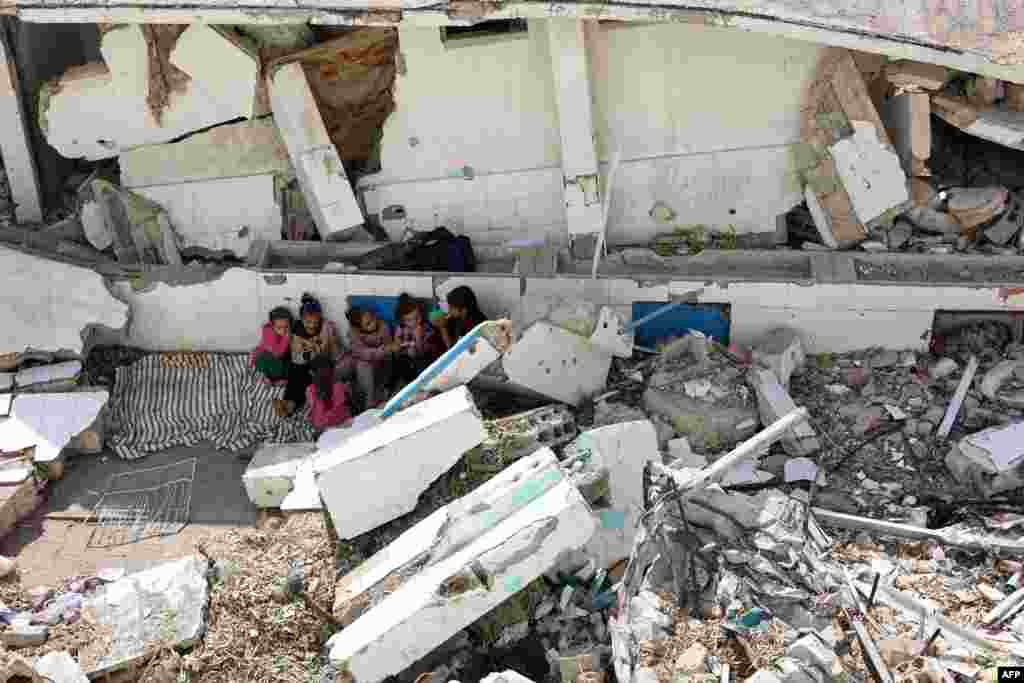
373, 349
327, 398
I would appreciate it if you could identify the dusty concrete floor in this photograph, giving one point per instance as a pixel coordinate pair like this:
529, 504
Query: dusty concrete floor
55, 542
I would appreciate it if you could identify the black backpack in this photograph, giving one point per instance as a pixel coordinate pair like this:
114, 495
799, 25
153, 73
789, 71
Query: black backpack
440, 250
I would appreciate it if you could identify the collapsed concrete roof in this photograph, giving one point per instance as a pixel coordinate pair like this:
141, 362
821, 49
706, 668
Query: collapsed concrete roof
981, 37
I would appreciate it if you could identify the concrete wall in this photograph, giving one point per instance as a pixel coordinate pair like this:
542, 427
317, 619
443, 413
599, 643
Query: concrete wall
225, 315
702, 118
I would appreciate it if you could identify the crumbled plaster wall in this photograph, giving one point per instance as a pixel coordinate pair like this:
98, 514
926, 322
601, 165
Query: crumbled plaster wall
474, 141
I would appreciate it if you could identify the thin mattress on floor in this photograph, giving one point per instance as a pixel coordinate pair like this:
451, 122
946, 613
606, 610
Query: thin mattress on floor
155, 407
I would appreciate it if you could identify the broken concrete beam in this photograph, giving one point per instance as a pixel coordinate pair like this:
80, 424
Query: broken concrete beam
997, 123
222, 63
557, 363
229, 151
990, 460
914, 76
378, 474
148, 610
270, 475
98, 111
46, 304
773, 402
781, 351
16, 144
908, 120
429, 583
870, 173
623, 450
324, 184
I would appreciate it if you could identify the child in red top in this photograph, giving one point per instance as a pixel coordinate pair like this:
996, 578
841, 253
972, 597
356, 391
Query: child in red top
327, 398
271, 357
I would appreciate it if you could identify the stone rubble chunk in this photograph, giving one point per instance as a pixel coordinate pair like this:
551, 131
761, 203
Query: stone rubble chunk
378, 474
622, 450
325, 186
60, 667
995, 378
165, 605
557, 363
773, 403
781, 351
443, 582
990, 460
909, 75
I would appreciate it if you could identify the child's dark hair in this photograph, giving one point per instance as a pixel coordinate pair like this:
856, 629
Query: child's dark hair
463, 297
281, 313
354, 316
323, 375
310, 305
406, 305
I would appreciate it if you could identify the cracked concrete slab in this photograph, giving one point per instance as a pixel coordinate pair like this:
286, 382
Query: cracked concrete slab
428, 602
46, 305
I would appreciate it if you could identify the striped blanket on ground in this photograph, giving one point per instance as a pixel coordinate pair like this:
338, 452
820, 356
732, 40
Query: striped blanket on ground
155, 407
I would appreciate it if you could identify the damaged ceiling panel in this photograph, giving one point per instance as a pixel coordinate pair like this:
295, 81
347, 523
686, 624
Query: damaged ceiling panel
46, 305
352, 78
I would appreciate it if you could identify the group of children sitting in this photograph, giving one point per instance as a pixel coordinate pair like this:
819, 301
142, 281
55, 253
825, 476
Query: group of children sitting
304, 355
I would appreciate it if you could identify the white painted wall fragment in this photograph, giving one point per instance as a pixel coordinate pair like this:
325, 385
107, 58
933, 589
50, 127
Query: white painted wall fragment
379, 474
16, 143
321, 175
223, 65
557, 363
623, 450
870, 172
464, 583
229, 151
98, 112
226, 213
46, 304
49, 421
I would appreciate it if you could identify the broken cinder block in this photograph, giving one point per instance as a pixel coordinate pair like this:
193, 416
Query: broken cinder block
319, 169
456, 566
378, 474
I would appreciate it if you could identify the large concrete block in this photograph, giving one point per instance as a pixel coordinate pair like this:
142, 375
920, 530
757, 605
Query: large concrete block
558, 363
45, 304
317, 164
623, 450
458, 565
230, 151
98, 112
870, 172
224, 213
782, 351
49, 421
224, 65
378, 474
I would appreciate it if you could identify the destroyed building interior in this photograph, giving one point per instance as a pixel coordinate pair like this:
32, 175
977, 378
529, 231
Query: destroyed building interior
737, 393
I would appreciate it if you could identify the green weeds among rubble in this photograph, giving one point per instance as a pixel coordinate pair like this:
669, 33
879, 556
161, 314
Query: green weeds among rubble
824, 361
515, 610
